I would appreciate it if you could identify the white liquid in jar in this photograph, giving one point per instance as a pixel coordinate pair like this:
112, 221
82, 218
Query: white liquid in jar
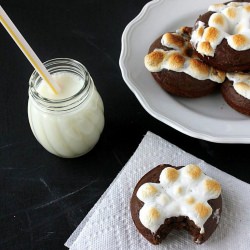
68, 83
69, 133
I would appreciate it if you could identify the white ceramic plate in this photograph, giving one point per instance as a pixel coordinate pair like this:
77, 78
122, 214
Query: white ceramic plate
208, 118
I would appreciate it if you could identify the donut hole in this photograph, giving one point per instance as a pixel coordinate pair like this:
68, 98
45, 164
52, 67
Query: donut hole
225, 25
241, 27
231, 20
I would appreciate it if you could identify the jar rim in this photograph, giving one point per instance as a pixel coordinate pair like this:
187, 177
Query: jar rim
59, 65
35, 77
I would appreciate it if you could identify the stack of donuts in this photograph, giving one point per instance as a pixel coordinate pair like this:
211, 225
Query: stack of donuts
213, 54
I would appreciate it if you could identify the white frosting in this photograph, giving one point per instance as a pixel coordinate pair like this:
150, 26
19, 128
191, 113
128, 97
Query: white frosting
230, 21
198, 241
183, 192
216, 215
178, 61
241, 83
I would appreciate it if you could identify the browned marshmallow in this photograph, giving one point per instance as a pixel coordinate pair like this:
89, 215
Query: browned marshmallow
179, 56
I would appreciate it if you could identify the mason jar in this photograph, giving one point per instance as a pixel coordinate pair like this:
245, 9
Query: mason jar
70, 123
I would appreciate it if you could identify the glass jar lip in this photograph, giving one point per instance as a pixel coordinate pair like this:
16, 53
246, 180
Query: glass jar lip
35, 75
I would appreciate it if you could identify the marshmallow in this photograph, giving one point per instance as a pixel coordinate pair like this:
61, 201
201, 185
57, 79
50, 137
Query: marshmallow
211, 187
241, 83
193, 171
202, 210
169, 175
147, 190
154, 60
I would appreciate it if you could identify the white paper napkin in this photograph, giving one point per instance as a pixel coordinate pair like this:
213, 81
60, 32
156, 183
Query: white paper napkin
108, 226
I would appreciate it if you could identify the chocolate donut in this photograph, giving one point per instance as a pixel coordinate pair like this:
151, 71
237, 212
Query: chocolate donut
177, 69
236, 92
221, 36
168, 198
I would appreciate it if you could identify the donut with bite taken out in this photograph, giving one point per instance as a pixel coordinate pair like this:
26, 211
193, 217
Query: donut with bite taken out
181, 198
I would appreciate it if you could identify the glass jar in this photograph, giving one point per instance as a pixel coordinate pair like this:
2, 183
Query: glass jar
70, 126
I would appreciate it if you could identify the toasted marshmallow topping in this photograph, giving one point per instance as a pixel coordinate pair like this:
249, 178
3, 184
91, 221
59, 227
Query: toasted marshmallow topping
241, 83
190, 200
178, 58
193, 171
169, 175
212, 187
183, 192
202, 210
148, 190
230, 21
